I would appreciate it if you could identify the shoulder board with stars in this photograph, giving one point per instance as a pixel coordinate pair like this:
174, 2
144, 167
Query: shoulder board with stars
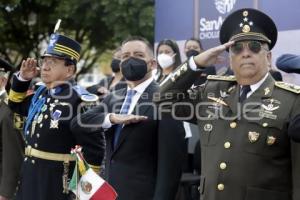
221, 78
288, 86
85, 95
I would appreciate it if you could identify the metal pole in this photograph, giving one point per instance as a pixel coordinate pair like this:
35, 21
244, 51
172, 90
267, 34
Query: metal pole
196, 18
255, 4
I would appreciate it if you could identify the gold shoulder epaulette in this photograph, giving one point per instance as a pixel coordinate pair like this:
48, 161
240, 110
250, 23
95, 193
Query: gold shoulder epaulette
288, 86
221, 78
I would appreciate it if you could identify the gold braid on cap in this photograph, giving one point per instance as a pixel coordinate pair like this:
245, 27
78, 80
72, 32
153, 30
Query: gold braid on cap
66, 50
251, 34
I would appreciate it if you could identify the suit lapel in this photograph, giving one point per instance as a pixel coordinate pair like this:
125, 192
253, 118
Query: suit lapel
117, 100
146, 97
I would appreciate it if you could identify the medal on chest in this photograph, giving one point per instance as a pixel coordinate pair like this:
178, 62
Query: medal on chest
54, 119
268, 107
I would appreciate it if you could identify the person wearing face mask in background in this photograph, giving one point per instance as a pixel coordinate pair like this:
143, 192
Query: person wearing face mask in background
143, 153
114, 82
192, 47
168, 58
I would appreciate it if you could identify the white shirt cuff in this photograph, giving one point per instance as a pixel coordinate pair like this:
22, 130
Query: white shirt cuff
193, 65
19, 77
106, 123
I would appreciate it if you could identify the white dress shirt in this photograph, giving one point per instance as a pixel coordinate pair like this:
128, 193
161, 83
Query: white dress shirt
139, 91
255, 86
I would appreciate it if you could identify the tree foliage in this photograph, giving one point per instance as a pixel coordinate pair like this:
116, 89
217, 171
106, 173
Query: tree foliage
98, 25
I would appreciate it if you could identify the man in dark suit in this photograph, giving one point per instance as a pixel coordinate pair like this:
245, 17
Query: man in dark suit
11, 141
143, 154
246, 121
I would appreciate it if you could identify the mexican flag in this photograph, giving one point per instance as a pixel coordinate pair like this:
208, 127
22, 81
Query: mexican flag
87, 184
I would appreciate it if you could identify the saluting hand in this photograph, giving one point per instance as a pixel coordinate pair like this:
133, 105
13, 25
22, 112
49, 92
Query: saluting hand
3, 198
29, 69
126, 119
210, 56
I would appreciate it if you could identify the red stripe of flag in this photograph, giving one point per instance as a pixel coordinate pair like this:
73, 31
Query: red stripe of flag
105, 192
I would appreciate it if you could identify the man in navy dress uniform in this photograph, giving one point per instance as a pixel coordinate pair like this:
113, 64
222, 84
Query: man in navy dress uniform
48, 164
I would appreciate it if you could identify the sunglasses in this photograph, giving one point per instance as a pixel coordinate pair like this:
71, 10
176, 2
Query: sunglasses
254, 46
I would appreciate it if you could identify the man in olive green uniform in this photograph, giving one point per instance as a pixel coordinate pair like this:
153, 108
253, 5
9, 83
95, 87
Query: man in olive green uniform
246, 121
12, 144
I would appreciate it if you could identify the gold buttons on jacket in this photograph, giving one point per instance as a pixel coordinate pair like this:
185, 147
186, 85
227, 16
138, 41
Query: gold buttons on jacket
221, 187
223, 165
265, 124
227, 145
233, 125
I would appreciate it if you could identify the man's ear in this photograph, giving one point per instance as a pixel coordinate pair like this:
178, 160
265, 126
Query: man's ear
269, 58
153, 64
71, 70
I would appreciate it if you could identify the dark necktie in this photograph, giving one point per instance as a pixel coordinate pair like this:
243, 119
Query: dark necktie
124, 110
244, 91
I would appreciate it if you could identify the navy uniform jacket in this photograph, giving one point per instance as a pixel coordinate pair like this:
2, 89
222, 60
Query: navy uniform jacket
49, 131
248, 156
146, 162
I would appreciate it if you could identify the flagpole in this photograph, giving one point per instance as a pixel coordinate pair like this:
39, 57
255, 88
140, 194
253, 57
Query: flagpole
77, 192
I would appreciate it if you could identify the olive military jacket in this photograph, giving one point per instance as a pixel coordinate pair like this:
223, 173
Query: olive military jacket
246, 150
12, 150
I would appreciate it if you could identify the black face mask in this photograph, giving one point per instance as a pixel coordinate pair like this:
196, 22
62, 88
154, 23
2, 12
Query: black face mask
115, 65
134, 69
191, 53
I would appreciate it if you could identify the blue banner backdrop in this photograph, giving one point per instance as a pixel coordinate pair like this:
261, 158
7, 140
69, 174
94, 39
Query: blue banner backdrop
174, 20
